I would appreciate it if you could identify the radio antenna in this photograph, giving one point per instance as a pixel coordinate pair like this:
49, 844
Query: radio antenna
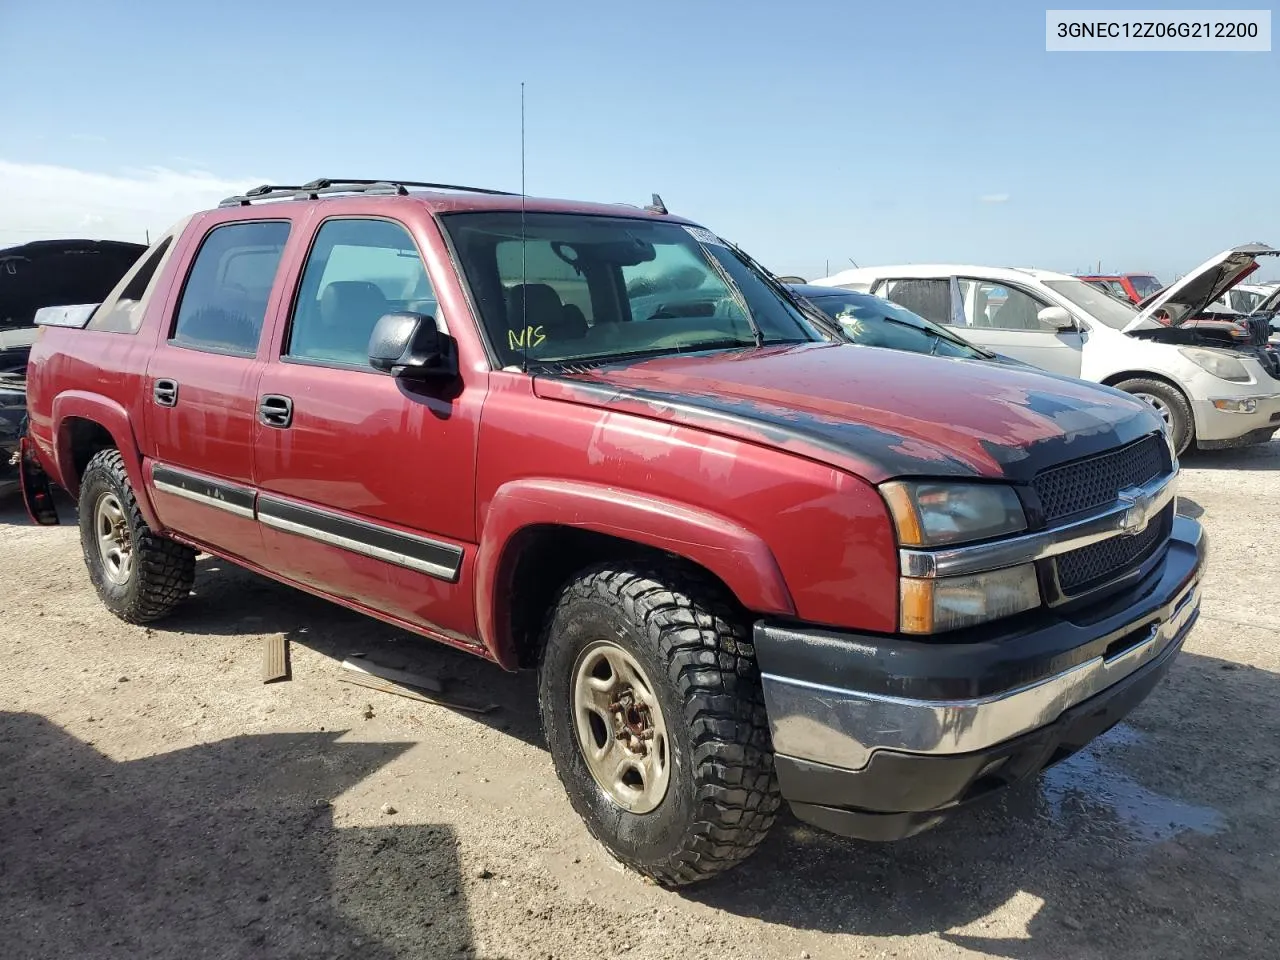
524, 255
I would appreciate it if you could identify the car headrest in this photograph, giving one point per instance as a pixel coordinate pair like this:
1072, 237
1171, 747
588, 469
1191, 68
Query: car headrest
533, 304
352, 301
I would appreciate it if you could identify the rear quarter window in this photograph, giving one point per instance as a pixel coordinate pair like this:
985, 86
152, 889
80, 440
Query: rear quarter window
928, 297
124, 313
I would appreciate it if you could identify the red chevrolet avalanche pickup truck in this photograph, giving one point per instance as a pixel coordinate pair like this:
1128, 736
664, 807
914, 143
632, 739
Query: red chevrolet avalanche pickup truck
749, 564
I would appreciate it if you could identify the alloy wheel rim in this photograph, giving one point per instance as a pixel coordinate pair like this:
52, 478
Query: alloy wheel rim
620, 727
115, 545
1162, 408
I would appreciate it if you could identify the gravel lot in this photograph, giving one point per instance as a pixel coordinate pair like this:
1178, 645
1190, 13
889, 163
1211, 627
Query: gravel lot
159, 801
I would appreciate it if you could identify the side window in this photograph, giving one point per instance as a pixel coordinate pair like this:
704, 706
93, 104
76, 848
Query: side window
930, 299
225, 299
357, 271
993, 305
1116, 289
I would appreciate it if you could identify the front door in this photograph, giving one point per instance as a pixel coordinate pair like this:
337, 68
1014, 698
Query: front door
1003, 318
202, 385
366, 483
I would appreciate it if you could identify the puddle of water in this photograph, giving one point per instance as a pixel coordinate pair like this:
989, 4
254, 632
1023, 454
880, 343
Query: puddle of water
1087, 780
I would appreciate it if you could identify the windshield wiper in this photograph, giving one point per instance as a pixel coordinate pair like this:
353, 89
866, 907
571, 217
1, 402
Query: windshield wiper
647, 353
778, 287
757, 335
940, 335
719, 343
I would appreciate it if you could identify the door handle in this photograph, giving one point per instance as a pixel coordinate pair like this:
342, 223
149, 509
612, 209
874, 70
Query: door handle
275, 410
165, 393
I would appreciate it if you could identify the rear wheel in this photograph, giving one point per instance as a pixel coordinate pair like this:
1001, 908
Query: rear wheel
652, 708
1170, 404
139, 574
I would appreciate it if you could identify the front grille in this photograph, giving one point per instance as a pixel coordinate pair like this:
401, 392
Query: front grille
1095, 481
1097, 563
1259, 330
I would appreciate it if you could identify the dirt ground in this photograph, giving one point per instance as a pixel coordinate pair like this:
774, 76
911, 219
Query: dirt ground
157, 800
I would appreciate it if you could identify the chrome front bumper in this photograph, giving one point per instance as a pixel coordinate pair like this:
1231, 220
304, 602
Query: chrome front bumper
844, 728
847, 711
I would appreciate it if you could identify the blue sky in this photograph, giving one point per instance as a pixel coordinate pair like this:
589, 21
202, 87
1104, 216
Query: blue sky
808, 132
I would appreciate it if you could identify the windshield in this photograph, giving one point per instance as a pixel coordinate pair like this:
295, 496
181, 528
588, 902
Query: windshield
876, 322
1244, 301
1101, 306
590, 288
1145, 286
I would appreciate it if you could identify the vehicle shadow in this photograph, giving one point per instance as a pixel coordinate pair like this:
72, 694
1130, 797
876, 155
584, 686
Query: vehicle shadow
1156, 841
229, 601
226, 849
1261, 456
1145, 844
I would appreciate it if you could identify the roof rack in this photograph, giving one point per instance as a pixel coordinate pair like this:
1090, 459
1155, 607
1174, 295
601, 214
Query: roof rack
328, 186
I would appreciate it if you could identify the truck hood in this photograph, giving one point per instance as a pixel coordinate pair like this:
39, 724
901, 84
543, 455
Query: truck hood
873, 412
1191, 296
46, 273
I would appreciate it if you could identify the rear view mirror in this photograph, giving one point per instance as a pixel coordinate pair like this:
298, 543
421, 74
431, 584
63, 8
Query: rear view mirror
1056, 318
412, 346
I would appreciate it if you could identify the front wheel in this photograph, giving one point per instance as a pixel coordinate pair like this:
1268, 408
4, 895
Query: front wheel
139, 574
651, 705
1170, 404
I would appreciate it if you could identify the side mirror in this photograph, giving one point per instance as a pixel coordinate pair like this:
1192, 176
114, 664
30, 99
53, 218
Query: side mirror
412, 346
1056, 318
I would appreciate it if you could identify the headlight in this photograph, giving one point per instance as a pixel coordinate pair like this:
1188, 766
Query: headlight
1222, 365
933, 514
948, 603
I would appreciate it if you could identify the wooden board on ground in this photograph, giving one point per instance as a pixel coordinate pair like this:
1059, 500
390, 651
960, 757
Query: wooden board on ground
275, 658
363, 679
419, 680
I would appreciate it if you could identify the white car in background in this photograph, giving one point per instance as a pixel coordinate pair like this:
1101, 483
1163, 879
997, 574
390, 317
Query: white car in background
1244, 298
1210, 393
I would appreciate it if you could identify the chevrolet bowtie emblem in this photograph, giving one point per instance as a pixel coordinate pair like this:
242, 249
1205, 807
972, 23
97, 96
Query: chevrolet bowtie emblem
1137, 509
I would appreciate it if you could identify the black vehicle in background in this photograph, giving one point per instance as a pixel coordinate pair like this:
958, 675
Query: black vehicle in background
45, 273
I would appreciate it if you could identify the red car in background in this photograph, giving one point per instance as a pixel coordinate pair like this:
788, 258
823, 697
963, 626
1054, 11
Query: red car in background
1134, 287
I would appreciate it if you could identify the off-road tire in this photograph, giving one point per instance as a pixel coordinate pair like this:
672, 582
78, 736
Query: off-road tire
163, 570
693, 643
1182, 423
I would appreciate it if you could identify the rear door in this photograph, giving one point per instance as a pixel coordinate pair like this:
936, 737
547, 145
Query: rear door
202, 386
366, 484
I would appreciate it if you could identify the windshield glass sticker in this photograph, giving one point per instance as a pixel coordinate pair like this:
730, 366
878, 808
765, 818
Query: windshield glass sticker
703, 235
